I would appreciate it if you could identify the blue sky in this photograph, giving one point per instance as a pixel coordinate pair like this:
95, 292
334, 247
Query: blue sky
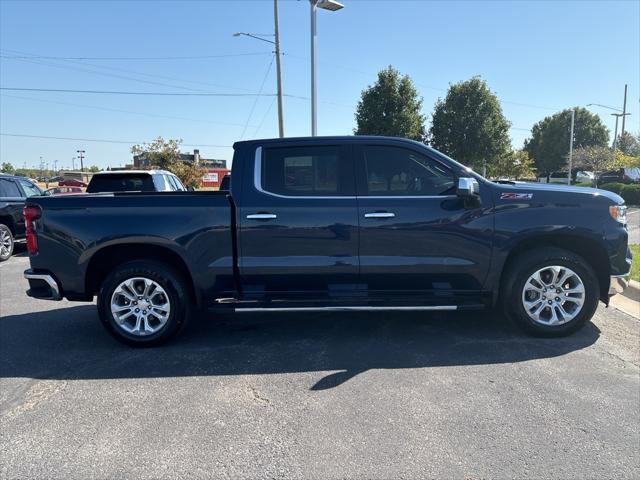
538, 57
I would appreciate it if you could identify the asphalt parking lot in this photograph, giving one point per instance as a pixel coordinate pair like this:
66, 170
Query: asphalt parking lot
322, 395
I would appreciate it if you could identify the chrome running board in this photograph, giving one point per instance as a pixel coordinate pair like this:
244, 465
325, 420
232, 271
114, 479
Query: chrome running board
346, 309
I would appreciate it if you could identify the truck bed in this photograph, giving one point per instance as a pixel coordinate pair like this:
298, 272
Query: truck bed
77, 233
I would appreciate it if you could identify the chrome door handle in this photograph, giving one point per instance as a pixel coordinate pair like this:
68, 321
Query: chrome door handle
262, 216
379, 215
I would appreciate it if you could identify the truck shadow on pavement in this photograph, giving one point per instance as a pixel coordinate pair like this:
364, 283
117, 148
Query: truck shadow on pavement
70, 344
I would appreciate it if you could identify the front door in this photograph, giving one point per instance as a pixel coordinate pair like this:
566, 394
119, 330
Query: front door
298, 221
416, 235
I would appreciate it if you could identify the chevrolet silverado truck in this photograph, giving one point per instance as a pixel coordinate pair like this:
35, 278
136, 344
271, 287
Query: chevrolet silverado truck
332, 224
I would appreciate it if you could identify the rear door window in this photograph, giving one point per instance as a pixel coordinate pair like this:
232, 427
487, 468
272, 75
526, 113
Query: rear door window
307, 171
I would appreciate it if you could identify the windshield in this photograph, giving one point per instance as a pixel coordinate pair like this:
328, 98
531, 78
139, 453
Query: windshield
29, 188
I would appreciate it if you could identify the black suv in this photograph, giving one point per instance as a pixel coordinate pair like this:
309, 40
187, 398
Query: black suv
13, 193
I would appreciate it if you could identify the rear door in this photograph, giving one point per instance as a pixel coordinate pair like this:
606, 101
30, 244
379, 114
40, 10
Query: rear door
416, 235
298, 221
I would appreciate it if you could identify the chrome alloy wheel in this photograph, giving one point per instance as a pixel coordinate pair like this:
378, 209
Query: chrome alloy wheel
5, 243
553, 295
140, 306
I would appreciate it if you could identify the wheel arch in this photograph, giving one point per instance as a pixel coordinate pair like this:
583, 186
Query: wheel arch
103, 261
8, 221
593, 252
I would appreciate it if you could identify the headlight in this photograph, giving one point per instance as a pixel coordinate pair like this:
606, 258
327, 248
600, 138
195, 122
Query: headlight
619, 213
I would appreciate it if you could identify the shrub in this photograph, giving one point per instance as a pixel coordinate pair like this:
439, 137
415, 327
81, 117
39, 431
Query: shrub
631, 194
612, 187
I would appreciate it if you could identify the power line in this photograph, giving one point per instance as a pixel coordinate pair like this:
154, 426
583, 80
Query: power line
264, 117
126, 70
99, 140
264, 80
173, 117
120, 92
189, 57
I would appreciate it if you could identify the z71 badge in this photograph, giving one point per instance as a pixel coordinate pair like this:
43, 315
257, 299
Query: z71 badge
516, 196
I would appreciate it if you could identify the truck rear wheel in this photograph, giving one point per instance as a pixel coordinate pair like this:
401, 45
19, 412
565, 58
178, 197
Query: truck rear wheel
144, 303
550, 292
6, 242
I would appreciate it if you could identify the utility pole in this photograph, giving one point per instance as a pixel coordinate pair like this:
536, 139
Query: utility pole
73, 163
615, 135
81, 157
278, 72
573, 118
624, 107
55, 167
41, 167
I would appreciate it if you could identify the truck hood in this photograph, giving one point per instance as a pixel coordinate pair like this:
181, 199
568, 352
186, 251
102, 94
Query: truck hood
550, 187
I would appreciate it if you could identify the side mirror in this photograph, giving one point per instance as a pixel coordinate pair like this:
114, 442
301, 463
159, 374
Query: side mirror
468, 187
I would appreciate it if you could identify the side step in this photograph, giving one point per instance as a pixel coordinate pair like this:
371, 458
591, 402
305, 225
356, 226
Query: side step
346, 308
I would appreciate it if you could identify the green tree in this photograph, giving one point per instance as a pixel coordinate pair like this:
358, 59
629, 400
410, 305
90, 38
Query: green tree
516, 165
629, 144
94, 169
549, 142
6, 167
390, 107
165, 155
594, 159
469, 125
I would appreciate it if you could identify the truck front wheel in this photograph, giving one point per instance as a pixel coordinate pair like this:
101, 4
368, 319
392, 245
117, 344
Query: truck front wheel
550, 292
143, 303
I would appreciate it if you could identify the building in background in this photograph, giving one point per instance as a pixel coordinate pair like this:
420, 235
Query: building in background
213, 177
141, 161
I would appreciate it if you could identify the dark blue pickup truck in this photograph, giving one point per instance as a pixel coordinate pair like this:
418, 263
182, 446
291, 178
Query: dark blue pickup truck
339, 223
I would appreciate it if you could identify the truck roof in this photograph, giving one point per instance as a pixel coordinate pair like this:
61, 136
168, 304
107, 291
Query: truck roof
328, 139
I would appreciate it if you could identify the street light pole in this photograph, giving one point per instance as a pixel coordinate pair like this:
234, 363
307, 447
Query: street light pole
573, 118
624, 107
331, 5
278, 72
314, 126
615, 135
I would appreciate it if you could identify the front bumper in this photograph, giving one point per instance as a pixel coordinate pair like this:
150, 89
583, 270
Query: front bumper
618, 283
42, 285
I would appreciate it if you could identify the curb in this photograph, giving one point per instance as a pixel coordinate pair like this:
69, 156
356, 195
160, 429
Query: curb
632, 291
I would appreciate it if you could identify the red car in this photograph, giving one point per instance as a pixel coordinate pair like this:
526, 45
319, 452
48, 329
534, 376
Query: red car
64, 191
71, 183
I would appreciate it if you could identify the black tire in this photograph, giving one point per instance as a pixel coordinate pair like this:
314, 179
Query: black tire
527, 264
177, 294
6, 243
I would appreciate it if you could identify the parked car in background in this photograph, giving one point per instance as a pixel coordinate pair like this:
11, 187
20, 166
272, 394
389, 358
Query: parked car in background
577, 176
13, 193
333, 224
135, 181
622, 175
71, 182
63, 191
